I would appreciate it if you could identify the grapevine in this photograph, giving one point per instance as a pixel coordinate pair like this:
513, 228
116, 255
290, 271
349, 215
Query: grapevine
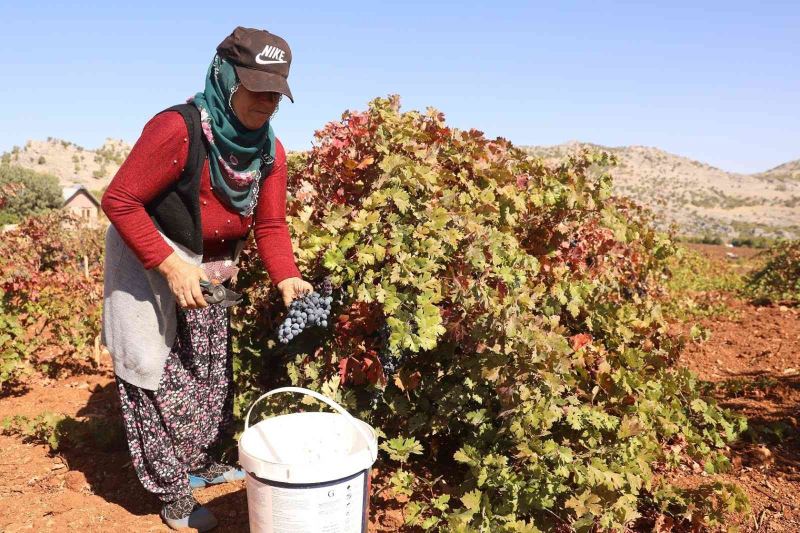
498, 312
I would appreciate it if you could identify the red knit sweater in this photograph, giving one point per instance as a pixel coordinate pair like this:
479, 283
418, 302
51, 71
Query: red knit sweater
155, 162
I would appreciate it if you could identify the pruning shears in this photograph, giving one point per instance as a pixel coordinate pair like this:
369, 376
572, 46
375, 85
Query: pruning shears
219, 294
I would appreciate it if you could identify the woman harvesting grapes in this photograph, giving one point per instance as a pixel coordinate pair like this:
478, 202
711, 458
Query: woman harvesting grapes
198, 180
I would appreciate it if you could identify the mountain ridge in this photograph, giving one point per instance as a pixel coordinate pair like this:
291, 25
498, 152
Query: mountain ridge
700, 198
71, 163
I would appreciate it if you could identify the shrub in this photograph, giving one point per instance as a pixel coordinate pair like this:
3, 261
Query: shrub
101, 172
35, 192
49, 308
695, 284
753, 242
108, 154
534, 384
60, 432
779, 278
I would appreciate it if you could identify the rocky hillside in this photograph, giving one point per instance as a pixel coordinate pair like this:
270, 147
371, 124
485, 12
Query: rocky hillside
786, 172
70, 163
702, 200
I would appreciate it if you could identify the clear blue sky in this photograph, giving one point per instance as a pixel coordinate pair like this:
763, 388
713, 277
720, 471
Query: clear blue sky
715, 81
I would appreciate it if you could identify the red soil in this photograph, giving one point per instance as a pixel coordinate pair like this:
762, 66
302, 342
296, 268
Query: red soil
90, 490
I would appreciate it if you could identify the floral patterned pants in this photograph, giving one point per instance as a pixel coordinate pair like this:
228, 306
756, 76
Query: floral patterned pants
170, 430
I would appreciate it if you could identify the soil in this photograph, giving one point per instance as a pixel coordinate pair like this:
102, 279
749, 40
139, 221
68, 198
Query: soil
83, 488
757, 352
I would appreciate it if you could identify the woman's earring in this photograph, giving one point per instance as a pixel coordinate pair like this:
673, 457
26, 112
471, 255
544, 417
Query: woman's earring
230, 98
277, 106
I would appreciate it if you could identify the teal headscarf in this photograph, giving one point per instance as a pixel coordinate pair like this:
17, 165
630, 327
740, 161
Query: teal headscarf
235, 152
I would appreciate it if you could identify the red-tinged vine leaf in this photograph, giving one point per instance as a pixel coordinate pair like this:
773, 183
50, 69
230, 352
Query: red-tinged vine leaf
502, 290
351, 372
304, 196
406, 380
344, 374
605, 381
580, 340
360, 370
462, 281
367, 161
36, 328
628, 399
663, 524
373, 372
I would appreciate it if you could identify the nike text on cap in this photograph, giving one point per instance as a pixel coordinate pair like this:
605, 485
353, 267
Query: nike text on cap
260, 58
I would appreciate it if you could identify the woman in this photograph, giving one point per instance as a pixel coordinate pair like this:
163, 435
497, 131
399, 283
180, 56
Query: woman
176, 219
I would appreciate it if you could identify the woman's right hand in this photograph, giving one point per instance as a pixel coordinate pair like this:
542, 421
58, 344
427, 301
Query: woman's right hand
184, 281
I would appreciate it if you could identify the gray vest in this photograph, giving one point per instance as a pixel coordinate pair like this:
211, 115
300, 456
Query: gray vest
139, 313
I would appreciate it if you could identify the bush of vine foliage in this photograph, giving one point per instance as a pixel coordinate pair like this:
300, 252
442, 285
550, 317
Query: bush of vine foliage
779, 277
535, 385
50, 296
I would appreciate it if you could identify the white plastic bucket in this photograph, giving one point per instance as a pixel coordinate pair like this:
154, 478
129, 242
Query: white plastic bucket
308, 472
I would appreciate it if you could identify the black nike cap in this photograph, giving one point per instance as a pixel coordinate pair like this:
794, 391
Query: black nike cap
261, 59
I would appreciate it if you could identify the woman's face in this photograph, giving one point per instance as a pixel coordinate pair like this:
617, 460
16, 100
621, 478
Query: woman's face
254, 109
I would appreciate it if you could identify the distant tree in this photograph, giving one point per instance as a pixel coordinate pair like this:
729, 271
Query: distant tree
34, 192
7, 191
42, 160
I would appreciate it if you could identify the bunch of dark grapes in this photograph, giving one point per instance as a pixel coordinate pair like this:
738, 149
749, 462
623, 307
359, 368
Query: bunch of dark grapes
389, 362
311, 310
327, 287
375, 398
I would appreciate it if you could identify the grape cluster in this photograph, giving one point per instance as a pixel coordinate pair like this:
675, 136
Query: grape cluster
327, 286
311, 310
376, 398
389, 362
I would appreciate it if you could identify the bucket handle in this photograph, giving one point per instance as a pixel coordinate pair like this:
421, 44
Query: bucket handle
371, 441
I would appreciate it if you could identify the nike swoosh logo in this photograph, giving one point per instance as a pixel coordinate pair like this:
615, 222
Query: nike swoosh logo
268, 61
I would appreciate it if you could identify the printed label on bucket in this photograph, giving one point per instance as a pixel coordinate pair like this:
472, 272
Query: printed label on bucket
335, 507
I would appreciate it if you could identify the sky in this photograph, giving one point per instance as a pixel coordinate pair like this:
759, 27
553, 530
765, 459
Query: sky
714, 81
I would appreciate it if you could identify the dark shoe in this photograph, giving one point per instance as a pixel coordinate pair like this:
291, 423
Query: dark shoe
214, 475
187, 512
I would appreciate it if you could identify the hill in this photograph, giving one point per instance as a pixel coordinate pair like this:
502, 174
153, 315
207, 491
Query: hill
786, 172
699, 198
70, 163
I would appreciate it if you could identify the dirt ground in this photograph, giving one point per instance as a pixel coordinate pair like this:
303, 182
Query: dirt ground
98, 491
757, 352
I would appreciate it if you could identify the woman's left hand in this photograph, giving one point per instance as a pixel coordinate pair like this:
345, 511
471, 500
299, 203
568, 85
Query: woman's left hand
292, 288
